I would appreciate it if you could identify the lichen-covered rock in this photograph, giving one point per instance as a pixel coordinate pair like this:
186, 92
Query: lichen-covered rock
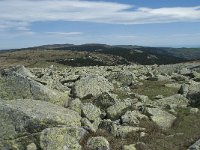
16, 86
91, 86
22, 118
195, 146
117, 110
23, 71
162, 118
76, 105
104, 100
194, 94
129, 147
31, 146
98, 143
91, 112
184, 89
173, 101
125, 78
132, 117
77, 132
58, 139
123, 131
91, 126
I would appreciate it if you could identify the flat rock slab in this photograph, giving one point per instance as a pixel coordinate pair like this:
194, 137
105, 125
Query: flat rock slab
24, 117
162, 118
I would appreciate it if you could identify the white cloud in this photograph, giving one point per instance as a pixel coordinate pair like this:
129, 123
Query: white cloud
65, 33
21, 13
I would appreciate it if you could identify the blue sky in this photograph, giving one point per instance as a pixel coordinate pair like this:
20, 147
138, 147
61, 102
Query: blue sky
174, 23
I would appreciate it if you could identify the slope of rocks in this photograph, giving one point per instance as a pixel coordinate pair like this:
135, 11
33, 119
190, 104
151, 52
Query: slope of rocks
65, 108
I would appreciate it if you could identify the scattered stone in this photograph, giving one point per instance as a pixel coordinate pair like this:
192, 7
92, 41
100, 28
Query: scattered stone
194, 110
184, 89
159, 97
162, 118
91, 127
57, 139
194, 95
132, 117
195, 146
98, 143
91, 112
23, 117
104, 101
173, 101
123, 131
117, 110
15, 86
92, 86
76, 105
125, 78
129, 147
31, 146
184, 71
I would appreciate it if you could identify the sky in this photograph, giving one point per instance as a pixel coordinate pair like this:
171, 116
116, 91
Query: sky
166, 23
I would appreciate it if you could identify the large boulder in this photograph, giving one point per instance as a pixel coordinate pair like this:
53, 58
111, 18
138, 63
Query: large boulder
76, 105
194, 94
195, 146
23, 71
58, 139
162, 118
91, 85
90, 126
184, 89
91, 112
98, 143
125, 78
16, 86
104, 101
132, 117
117, 110
173, 101
24, 118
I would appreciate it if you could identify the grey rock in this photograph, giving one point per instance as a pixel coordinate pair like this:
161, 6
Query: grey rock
92, 86
123, 131
90, 111
104, 101
194, 94
57, 139
129, 147
184, 89
76, 105
31, 146
184, 71
174, 101
90, 126
162, 118
98, 143
117, 110
194, 110
195, 146
24, 117
16, 86
132, 117
125, 78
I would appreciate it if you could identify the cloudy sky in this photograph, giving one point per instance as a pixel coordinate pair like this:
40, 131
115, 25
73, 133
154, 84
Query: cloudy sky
25, 23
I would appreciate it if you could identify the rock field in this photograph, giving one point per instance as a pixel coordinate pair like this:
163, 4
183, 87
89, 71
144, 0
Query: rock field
100, 108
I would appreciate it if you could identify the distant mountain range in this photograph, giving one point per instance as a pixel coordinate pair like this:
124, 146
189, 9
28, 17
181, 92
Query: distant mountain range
102, 54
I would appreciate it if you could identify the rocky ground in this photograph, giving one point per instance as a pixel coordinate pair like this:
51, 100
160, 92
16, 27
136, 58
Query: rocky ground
100, 108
